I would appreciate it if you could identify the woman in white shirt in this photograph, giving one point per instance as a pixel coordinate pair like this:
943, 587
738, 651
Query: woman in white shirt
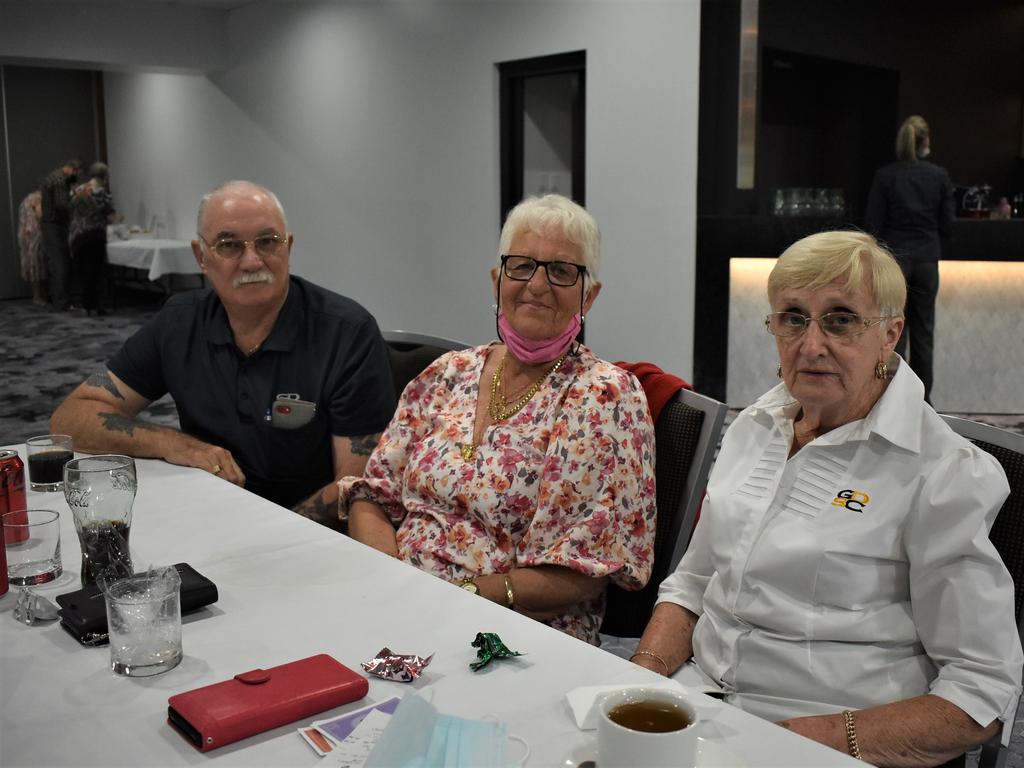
841, 580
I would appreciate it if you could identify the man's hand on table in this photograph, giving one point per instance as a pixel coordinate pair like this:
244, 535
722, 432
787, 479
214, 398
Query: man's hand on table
187, 451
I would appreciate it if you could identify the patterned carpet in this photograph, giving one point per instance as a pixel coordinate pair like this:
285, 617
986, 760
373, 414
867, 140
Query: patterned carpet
46, 354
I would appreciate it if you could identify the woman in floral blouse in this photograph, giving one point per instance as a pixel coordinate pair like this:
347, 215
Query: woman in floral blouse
522, 471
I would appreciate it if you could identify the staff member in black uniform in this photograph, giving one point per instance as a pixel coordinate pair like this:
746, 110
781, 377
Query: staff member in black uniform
911, 209
281, 386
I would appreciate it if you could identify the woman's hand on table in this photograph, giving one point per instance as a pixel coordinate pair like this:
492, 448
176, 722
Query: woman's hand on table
541, 592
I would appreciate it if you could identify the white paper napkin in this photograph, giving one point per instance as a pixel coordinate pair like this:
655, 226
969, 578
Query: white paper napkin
689, 679
581, 700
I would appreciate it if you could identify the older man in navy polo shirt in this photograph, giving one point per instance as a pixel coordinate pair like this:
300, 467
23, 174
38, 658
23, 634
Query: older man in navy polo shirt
281, 386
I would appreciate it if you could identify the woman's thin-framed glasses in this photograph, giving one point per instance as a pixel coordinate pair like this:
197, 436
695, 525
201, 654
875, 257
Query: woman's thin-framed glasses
233, 247
562, 273
837, 324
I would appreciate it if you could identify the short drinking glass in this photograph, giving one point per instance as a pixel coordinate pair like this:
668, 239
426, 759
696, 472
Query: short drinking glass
32, 543
144, 622
47, 455
100, 491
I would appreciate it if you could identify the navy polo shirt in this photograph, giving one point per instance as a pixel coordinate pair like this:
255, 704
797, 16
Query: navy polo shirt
325, 348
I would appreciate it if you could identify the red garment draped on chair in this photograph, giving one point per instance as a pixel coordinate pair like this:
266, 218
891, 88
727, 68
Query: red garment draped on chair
660, 387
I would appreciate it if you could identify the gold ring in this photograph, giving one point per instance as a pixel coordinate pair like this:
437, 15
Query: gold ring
216, 469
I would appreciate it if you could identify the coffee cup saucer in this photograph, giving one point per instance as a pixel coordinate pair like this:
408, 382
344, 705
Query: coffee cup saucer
710, 754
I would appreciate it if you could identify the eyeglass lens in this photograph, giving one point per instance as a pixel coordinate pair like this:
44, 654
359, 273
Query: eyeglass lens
233, 248
832, 323
563, 273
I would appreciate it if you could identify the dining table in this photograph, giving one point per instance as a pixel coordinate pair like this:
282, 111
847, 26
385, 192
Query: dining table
156, 257
289, 588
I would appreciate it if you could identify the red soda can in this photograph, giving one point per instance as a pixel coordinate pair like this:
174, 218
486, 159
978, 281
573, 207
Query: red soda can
12, 499
12, 490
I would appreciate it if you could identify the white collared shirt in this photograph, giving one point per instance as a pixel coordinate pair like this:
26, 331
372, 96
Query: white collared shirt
856, 573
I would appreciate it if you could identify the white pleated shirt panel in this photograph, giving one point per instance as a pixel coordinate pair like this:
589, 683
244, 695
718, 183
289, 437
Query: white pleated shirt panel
856, 573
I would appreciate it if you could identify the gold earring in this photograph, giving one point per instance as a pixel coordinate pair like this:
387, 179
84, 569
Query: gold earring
881, 369
778, 371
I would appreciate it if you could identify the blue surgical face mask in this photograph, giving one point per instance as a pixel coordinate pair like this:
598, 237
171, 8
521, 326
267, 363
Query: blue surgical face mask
418, 736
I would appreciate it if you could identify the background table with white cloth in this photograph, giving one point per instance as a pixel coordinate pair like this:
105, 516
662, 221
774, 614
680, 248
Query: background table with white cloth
156, 257
167, 264
290, 588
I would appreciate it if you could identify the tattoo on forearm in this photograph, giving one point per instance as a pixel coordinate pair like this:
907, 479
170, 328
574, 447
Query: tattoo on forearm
315, 508
115, 422
103, 381
363, 446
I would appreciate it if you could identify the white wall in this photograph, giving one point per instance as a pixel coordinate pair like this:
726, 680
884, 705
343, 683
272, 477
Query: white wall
376, 123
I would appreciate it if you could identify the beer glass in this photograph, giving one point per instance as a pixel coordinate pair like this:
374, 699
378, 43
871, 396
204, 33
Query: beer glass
100, 491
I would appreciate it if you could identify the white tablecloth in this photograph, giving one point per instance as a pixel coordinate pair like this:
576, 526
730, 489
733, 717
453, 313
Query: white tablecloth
290, 588
159, 257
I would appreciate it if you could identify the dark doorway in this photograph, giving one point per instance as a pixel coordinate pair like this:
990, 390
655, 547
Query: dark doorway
542, 119
47, 116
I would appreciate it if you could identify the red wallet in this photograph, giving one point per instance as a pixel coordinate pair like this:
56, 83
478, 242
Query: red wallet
256, 701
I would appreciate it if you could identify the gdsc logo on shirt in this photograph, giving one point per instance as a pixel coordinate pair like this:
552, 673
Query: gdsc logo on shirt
852, 500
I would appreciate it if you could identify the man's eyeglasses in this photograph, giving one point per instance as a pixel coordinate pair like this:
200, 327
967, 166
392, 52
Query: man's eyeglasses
838, 324
233, 247
563, 273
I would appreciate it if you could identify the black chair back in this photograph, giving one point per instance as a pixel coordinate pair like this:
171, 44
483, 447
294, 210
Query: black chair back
676, 436
411, 353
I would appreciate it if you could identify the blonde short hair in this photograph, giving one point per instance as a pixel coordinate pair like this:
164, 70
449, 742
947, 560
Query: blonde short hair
817, 260
558, 215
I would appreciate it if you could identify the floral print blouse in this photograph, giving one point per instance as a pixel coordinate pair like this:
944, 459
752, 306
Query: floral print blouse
567, 481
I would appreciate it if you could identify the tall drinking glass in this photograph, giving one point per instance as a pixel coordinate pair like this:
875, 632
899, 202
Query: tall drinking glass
100, 491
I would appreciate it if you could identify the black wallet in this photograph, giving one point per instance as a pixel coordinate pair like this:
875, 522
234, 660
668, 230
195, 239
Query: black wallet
83, 613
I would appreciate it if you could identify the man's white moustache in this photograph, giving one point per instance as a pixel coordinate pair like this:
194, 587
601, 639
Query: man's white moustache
253, 277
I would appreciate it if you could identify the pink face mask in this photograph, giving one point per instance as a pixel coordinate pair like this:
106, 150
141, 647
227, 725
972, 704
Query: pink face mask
533, 351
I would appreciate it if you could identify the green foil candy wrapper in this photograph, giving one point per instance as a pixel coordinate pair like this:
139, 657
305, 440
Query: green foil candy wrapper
489, 647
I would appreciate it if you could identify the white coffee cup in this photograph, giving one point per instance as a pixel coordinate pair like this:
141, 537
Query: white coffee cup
626, 745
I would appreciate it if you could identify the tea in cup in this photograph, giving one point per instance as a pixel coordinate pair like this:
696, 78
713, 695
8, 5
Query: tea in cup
646, 728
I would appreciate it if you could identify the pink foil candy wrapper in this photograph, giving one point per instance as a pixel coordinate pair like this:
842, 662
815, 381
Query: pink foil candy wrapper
395, 666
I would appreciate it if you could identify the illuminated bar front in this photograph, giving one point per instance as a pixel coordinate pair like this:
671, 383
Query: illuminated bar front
979, 345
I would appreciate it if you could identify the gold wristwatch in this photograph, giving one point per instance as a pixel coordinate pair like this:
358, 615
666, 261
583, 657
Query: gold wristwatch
470, 586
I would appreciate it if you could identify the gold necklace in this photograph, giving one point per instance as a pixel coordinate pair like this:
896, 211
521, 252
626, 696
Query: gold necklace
498, 408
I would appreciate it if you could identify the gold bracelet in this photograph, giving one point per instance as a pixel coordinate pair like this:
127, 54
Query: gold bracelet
654, 656
510, 596
851, 735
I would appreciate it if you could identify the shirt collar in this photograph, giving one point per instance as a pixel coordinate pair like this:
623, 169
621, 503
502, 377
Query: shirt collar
892, 417
282, 336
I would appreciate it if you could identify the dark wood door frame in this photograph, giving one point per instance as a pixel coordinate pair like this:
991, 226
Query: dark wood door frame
512, 76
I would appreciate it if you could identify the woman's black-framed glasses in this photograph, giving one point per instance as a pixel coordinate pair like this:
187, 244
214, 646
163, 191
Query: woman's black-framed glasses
232, 247
837, 324
561, 273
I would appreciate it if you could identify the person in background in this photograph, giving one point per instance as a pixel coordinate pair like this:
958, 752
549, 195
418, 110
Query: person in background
92, 208
30, 244
911, 210
281, 386
56, 215
841, 580
522, 470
